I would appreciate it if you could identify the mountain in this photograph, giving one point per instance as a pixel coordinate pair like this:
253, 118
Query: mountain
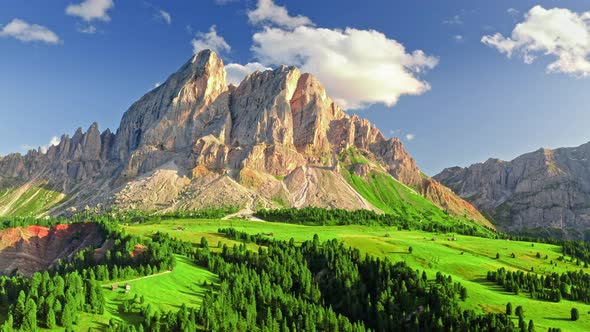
541, 191
194, 142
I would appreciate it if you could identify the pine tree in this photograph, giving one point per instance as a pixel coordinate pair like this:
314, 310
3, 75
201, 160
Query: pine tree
509, 309
531, 326
50, 322
463, 293
30, 316
519, 312
19, 309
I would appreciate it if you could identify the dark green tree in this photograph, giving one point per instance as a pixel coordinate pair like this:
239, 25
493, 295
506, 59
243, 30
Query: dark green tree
575, 315
519, 312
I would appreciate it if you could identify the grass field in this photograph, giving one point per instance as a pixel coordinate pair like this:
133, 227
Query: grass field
165, 292
467, 259
31, 202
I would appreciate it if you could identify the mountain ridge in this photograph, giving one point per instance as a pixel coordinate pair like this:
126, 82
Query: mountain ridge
276, 139
543, 189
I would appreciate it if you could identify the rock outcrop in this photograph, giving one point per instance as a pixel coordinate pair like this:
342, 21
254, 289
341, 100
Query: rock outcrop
545, 189
277, 139
25, 250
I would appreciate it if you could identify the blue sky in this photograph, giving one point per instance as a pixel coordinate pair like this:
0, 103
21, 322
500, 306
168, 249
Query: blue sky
480, 103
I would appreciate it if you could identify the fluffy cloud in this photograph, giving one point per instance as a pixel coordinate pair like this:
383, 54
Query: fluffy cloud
459, 38
52, 142
165, 16
210, 40
557, 33
236, 72
27, 32
90, 10
267, 12
410, 137
357, 67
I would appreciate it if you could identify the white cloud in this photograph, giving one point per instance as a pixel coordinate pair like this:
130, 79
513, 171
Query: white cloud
210, 40
52, 142
236, 72
459, 38
357, 67
455, 20
410, 137
504, 45
90, 10
91, 29
267, 12
513, 12
26, 32
165, 16
557, 33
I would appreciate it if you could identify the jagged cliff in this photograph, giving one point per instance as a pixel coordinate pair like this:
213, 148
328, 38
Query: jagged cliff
277, 139
545, 189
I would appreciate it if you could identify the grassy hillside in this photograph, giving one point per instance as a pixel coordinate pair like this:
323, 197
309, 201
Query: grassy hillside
467, 259
28, 200
393, 197
164, 292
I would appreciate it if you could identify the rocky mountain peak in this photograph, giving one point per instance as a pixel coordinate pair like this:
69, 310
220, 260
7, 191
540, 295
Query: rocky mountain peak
194, 142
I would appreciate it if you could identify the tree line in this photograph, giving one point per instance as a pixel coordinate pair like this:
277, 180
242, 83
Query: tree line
571, 285
313, 216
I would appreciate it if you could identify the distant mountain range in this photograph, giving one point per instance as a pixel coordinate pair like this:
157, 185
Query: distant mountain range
541, 192
276, 140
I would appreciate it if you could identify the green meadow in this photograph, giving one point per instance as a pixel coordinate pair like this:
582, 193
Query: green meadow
163, 292
467, 259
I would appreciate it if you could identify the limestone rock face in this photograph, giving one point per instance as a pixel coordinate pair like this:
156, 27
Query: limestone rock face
167, 118
542, 189
194, 142
399, 163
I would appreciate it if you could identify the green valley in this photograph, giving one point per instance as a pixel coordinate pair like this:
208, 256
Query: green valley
465, 258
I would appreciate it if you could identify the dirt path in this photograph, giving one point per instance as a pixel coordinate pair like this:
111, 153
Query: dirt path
136, 279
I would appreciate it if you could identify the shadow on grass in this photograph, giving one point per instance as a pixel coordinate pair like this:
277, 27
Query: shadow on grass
99, 326
558, 319
116, 310
492, 286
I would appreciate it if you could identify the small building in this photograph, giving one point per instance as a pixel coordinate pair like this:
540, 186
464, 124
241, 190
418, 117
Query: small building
127, 288
115, 287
